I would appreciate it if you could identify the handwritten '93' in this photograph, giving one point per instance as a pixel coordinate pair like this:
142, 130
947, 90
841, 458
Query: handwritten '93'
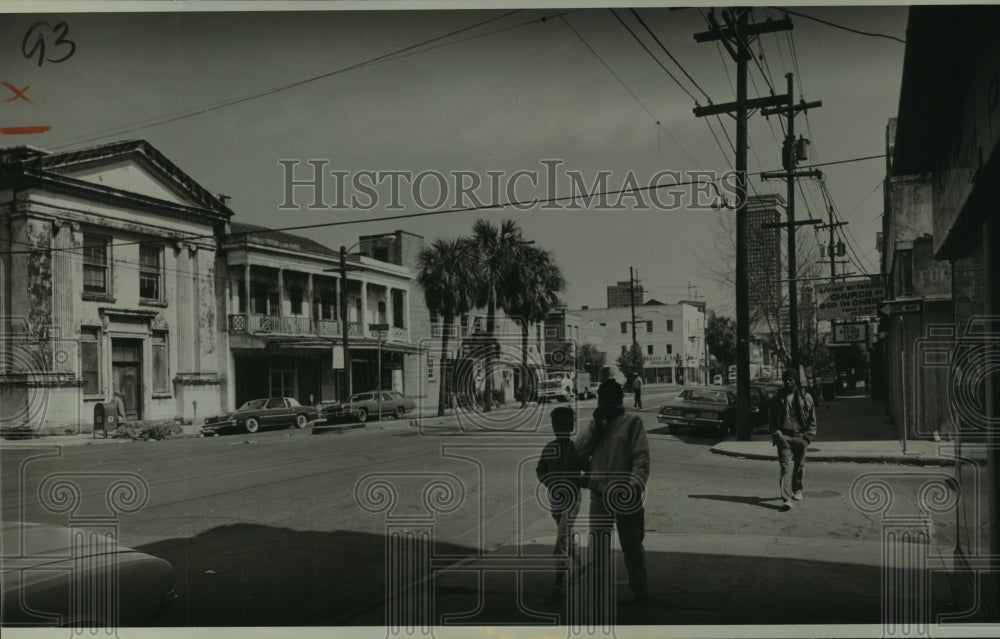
48, 42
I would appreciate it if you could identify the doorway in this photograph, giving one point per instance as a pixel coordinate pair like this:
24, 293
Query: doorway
126, 374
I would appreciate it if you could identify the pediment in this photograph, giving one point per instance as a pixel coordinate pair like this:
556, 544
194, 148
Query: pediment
131, 176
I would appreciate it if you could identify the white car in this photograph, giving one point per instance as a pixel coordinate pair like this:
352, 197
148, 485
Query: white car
589, 391
717, 380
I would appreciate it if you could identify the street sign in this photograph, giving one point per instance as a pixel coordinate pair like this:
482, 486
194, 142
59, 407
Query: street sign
850, 333
841, 300
905, 307
378, 327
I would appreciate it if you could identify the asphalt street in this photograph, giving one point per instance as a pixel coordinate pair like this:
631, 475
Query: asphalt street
289, 528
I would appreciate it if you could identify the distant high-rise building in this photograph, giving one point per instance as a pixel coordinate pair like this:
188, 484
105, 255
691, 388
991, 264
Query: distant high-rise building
765, 261
620, 295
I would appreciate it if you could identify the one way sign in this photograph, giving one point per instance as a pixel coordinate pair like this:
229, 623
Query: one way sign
902, 307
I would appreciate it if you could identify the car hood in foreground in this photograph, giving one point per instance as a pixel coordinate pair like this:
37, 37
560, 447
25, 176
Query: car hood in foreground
40, 565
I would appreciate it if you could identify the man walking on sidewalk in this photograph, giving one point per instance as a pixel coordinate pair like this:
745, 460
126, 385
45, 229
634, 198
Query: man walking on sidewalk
637, 388
792, 424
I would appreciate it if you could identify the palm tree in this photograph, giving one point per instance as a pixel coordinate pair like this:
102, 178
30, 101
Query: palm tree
446, 272
537, 281
499, 250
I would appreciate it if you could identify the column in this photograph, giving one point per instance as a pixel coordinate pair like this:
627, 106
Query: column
196, 306
389, 311
281, 292
364, 309
246, 291
307, 300
184, 301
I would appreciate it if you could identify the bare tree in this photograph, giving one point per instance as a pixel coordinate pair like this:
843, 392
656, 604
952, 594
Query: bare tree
768, 289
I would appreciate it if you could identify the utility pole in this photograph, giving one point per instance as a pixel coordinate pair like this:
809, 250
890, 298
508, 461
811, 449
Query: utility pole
631, 301
345, 331
833, 250
736, 36
793, 152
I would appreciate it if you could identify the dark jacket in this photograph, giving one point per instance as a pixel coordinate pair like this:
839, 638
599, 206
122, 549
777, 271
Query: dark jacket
793, 415
562, 464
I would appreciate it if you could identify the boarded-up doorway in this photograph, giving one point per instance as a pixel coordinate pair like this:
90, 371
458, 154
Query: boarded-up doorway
126, 372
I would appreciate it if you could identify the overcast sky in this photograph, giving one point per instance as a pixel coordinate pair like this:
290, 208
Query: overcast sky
502, 96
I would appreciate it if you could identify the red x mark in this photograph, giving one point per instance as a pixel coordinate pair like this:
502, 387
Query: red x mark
18, 93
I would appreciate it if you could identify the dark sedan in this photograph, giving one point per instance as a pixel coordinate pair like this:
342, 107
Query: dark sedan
363, 405
710, 408
262, 413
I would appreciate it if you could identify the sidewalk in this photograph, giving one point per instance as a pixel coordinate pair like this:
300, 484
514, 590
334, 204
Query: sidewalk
700, 579
849, 429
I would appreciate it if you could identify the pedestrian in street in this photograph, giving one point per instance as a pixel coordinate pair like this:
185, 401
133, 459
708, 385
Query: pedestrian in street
563, 472
637, 387
792, 424
616, 446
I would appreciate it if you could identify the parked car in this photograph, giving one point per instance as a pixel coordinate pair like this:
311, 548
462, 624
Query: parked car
362, 405
41, 562
710, 408
589, 391
717, 380
769, 387
262, 413
732, 378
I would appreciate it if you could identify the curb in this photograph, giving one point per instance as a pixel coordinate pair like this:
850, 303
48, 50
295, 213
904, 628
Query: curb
914, 459
320, 429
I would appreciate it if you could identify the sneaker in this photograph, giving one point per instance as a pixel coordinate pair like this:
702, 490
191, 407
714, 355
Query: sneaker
786, 506
797, 496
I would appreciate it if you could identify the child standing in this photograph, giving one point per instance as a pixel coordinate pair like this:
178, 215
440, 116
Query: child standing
563, 471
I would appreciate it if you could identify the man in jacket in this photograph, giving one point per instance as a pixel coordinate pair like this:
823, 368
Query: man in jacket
792, 424
616, 446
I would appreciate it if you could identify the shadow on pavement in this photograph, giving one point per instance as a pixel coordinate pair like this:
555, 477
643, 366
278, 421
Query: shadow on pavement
252, 575
752, 501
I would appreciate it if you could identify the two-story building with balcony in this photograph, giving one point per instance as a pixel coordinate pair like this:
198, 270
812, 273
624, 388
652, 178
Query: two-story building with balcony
109, 281
284, 319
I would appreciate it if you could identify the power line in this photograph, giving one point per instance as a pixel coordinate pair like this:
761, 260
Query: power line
670, 55
653, 56
840, 26
626, 87
798, 73
401, 216
151, 122
847, 237
677, 82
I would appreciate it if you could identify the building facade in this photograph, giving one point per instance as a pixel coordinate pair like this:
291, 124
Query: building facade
671, 337
284, 319
948, 126
625, 294
110, 277
119, 273
766, 299
917, 396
